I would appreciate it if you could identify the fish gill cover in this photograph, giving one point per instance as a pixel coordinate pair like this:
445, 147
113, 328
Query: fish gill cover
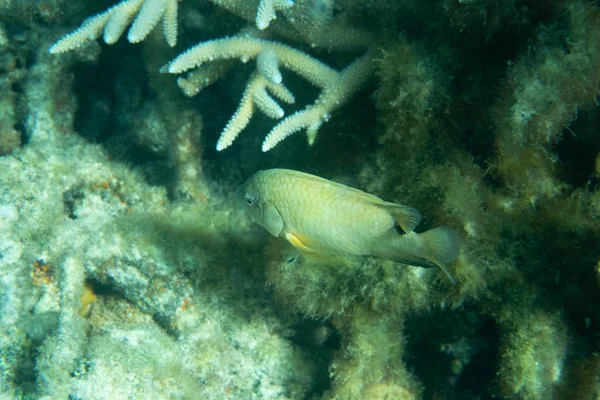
127, 270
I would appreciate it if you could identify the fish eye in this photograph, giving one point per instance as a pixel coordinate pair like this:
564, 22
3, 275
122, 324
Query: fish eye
249, 199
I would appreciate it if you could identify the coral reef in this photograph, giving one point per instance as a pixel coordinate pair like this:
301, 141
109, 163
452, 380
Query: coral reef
127, 269
336, 86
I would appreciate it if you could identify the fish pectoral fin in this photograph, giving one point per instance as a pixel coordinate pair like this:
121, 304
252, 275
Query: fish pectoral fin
297, 242
272, 221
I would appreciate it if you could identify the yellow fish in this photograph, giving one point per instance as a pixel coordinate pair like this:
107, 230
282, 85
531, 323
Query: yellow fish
321, 217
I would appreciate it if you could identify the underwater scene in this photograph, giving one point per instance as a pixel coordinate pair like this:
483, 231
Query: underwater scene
300, 199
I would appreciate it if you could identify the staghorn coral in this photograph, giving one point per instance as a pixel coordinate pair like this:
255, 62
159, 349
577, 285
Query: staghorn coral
112, 23
336, 87
308, 21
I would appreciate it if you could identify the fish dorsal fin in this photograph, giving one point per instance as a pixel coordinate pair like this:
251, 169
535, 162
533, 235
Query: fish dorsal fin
272, 221
406, 217
346, 181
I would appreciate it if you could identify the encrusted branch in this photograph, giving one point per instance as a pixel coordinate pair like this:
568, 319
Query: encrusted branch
336, 87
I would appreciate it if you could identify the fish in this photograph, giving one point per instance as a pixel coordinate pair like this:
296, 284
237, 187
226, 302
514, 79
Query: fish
320, 217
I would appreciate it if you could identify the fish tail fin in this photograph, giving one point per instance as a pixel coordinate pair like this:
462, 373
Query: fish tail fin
441, 246
433, 248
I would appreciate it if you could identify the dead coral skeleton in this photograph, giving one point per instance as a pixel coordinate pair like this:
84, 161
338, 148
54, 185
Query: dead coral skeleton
308, 20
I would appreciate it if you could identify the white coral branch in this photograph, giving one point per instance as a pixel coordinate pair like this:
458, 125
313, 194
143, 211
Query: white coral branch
339, 90
145, 14
308, 21
204, 76
266, 11
268, 65
260, 12
256, 95
336, 87
245, 49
